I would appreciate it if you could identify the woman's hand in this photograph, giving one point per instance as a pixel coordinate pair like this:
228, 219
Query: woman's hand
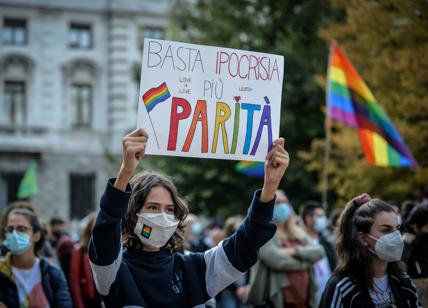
134, 147
277, 161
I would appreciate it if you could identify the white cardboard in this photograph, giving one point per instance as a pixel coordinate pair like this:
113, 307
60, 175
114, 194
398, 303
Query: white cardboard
222, 80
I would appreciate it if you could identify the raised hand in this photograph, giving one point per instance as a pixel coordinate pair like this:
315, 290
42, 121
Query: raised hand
134, 147
277, 161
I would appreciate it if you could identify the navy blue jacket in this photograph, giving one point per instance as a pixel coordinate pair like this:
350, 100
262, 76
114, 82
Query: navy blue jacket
53, 283
129, 277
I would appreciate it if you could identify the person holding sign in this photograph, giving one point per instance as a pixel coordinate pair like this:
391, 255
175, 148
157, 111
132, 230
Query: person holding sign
138, 229
369, 247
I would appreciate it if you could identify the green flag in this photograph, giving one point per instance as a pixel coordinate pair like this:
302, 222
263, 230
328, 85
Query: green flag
28, 186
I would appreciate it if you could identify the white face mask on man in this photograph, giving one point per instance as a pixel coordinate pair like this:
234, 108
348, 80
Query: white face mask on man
389, 247
155, 229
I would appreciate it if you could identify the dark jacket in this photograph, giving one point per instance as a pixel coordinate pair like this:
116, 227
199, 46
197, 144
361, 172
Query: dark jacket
130, 277
342, 291
53, 282
416, 257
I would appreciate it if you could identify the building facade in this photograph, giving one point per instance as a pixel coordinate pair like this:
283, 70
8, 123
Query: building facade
68, 94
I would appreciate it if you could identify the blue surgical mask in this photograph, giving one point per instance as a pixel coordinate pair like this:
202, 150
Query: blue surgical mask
320, 224
196, 228
17, 242
281, 212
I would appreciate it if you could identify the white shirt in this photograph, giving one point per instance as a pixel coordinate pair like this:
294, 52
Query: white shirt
381, 293
29, 285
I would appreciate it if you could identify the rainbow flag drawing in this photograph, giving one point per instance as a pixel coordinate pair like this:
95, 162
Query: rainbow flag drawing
147, 230
155, 96
253, 169
350, 101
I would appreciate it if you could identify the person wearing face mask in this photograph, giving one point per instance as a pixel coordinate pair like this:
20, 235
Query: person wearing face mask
369, 246
194, 235
134, 242
3, 221
283, 276
315, 223
25, 279
416, 253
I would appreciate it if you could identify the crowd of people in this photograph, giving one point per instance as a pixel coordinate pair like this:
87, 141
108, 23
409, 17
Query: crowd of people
144, 249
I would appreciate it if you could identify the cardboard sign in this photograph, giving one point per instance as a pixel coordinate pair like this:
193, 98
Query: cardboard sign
209, 102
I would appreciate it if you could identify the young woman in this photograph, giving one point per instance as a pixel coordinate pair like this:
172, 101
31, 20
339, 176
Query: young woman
81, 283
284, 275
137, 230
369, 247
26, 280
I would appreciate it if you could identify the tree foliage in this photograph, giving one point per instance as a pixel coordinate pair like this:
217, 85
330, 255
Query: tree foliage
387, 41
286, 28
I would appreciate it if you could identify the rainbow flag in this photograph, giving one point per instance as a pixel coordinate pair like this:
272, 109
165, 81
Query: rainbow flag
254, 169
147, 230
155, 96
350, 101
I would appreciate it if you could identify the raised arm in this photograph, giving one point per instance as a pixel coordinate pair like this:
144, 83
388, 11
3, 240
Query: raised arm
105, 248
236, 254
277, 161
134, 147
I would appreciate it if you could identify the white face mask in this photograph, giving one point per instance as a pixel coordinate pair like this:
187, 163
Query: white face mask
155, 229
389, 247
320, 223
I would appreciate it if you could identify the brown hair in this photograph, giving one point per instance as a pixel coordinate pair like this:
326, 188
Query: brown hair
34, 221
86, 234
232, 224
12, 206
141, 184
358, 216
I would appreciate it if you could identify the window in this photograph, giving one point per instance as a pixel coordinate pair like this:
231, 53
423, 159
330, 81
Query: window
81, 96
154, 33
9, 184
13, 108
80, 36
81, 195
14, 31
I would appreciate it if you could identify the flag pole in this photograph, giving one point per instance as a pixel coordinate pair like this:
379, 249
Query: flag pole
326, 161
327, 134
154, 132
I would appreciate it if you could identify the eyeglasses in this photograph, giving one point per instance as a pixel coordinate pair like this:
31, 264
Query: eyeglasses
19, 228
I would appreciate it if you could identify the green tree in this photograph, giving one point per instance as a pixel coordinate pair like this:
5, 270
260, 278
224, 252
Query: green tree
288, 28
387, 41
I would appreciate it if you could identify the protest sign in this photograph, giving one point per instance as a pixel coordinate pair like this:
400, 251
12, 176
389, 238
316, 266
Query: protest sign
209, 102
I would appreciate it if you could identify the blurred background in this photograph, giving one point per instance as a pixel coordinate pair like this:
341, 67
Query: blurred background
69, 78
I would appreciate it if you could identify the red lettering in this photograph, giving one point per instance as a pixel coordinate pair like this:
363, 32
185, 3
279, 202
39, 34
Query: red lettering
239, 67
222, 60
264, 68
254, 68
175, 118
200, 115
237, 64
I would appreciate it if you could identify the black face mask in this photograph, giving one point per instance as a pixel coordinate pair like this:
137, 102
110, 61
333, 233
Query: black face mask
58, 234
